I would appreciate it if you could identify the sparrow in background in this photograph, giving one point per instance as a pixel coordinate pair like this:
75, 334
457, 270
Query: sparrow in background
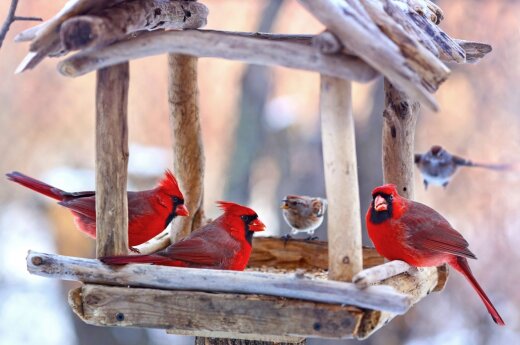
303, 213
405, 230
149, 211
225, 243
437, 166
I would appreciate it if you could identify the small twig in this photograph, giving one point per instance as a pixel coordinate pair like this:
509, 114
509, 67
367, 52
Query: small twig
11, 17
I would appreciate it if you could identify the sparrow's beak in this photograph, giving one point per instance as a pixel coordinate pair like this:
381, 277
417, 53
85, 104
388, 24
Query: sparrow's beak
182, 211
256, 225
380, 204
284, 205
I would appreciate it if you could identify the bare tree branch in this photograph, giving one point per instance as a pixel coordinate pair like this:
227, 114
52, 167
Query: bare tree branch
11, 17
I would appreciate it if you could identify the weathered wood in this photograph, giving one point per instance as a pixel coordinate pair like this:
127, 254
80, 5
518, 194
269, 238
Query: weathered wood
295, 253
341, 180
117, 22
400, 117
157, 243
112, 160
351, 23
216, 337
188, 151
416, 283
430, 69
328, 43
379, 273
172, 278
199, 311
474, 50
226, 45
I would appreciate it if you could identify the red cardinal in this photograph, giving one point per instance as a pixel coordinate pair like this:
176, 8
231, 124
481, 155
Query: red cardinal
405, 230
149, 211
223, 244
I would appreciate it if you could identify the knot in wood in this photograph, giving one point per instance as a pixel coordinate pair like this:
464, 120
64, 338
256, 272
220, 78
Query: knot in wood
120, 317
316, 326
37, 261
345, 260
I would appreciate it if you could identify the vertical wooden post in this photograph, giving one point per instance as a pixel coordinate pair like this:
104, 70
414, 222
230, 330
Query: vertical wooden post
188, 151
400, 117
112, 160
341, 180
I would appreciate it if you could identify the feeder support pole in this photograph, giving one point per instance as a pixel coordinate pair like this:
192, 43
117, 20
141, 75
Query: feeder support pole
188, 150
341, 180
112, 160
399, 120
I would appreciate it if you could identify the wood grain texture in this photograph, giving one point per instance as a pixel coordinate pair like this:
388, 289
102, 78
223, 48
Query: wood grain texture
117, 22
416, 284
226, 45
188, 150
400, 117
341, 179
296, 253
355, 29
200, 311
379, 273
112, 160
218, 337
172, 278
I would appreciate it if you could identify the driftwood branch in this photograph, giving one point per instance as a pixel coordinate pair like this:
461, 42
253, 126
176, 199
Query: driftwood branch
400, 117
115, 23
112, 160
328, 43
351, 23
226, 45
188, 151
199, 313
11, 18
172, 278
341, 180
379, 273
299, 254
416, 283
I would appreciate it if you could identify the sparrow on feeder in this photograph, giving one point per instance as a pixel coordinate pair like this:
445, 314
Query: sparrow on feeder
303, 214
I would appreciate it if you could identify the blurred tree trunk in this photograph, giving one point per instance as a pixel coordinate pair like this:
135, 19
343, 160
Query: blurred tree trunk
251, 132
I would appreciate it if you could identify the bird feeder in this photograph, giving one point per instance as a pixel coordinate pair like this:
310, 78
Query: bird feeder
293, 290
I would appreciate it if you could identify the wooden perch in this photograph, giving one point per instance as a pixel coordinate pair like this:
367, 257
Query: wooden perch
341, 180
173, 278
474, 50
115, 23
188, 151
400, 117
294, 253
351, 23
379, 273
200, 313
205, 43
112, 160
416, 283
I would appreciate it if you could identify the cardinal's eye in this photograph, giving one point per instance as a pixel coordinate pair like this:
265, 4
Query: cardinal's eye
176, 200
245, 218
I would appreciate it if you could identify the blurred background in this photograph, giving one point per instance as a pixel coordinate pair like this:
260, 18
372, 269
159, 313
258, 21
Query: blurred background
262, 141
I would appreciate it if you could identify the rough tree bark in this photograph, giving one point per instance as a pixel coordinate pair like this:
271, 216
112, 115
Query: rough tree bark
400, 117
188, 151
112, 160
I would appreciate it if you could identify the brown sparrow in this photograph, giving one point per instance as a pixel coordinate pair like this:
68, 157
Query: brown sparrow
437, 166
303, 213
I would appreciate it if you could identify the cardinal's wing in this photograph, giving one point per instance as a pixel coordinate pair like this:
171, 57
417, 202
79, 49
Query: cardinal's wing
430, 231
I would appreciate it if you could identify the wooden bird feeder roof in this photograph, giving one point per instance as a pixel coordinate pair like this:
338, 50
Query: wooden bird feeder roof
399, 39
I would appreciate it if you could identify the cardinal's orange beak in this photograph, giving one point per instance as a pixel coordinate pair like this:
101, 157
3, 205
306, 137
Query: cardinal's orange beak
256, 225
182, 211
380, 204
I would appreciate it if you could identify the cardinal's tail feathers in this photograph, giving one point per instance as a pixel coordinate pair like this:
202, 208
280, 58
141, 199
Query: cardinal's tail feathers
36, 185
130, 259
462, 266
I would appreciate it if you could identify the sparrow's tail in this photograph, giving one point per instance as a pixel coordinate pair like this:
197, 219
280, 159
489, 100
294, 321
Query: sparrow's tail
461, 265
